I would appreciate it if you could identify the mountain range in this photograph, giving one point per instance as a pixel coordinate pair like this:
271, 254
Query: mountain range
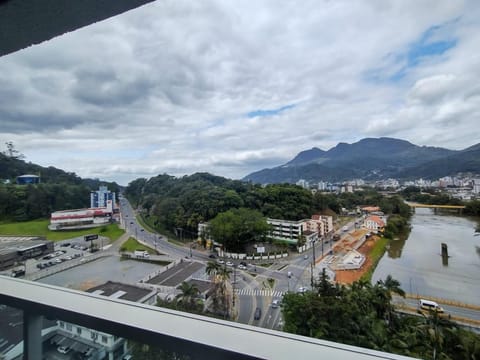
372, 159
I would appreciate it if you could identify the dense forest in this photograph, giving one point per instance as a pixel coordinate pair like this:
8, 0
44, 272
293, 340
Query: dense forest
168, 202
58, 190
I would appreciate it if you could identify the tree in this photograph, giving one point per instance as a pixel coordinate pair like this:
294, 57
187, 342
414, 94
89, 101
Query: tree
12, 152
237, 227
188, 297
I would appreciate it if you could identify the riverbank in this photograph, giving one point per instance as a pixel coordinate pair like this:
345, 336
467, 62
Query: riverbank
373, 249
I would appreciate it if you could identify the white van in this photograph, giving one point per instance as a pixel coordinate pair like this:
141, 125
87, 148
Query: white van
141, 254
429, 306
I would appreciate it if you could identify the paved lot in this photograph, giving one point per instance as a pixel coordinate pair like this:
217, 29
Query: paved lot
177, 274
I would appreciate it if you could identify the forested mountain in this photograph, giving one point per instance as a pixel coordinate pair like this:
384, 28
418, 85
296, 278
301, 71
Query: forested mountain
371, 159
58, 190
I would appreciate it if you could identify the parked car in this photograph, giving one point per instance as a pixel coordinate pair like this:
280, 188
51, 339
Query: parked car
211, 256
65, 244
242, 267
220, 261
63, 349
258, 314
229, 263
243, 263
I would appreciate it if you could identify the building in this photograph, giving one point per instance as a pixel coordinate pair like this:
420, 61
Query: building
476, 186
81, 218
321, 224
101, 197
15, 249
96, 344
291, 231
374, 223
28, 179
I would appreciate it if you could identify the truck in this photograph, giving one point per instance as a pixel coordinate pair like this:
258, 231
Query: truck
141, 254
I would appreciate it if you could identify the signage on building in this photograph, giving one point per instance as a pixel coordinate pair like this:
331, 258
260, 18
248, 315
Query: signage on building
90, 237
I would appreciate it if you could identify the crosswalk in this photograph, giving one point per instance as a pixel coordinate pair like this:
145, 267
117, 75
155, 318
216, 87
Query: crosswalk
259, 292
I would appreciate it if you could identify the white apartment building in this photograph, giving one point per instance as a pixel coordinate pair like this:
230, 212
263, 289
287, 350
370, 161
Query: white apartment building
291, 231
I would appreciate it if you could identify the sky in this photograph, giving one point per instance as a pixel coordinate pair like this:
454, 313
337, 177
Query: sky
232, 87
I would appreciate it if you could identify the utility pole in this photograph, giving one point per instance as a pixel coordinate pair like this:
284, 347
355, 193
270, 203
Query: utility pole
313, 263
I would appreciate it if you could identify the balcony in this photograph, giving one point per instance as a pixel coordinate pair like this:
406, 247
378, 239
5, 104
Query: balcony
196, 336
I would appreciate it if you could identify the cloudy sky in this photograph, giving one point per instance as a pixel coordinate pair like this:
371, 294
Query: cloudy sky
232, 87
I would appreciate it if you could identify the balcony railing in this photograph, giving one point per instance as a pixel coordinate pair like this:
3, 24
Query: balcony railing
197, 336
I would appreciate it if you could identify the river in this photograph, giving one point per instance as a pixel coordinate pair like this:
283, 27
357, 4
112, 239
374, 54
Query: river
417, 263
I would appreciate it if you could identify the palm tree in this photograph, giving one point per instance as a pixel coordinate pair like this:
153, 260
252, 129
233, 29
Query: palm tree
212, 268
393, 286
188, 295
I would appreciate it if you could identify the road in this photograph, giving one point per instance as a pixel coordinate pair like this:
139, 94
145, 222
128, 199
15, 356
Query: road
289, 274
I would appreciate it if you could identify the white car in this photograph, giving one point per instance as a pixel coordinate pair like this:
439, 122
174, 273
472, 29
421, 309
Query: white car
220, 261
302, 289
242, 267
229, 263
276, 303
63, 349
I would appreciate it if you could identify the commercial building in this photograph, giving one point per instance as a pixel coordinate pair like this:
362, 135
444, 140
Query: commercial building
15, 249
81, 218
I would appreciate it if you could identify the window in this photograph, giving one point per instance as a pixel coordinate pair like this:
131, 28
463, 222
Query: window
79, 331
104, 339
68, 326
62, 324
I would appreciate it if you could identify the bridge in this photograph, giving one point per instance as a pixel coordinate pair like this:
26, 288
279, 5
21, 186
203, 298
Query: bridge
414, 206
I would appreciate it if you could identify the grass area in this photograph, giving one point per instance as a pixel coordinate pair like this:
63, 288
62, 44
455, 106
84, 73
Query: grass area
131, 245
271, 282
40, 228
375, 255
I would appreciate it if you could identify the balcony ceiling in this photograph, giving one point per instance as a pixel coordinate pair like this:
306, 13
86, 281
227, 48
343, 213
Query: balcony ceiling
28, 22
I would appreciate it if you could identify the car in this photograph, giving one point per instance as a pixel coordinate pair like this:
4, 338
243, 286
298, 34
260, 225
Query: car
276, 303
18, 273
74, 245
229, 263
242, 267
302, 290
258, 314
243, 263
63, 349
220, 261
305, 257
131, 222
65, 244
211, 256
142, 229
58, 260
76, 256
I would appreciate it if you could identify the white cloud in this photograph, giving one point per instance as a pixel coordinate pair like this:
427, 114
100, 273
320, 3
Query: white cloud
166, 87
